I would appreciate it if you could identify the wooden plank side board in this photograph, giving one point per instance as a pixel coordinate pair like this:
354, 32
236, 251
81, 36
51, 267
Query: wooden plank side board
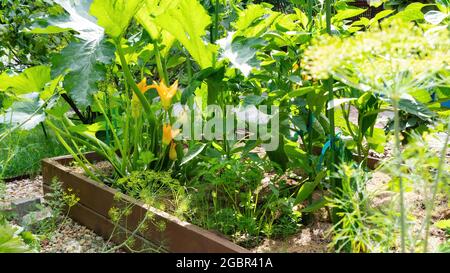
105, 228
176, 236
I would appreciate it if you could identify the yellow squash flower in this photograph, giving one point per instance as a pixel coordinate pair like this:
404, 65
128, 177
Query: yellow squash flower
135, 103
166, 93
168, 134
143, 85
173, 151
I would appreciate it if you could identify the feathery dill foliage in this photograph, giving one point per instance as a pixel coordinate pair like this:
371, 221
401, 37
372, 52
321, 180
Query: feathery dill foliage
391, 60
361, 227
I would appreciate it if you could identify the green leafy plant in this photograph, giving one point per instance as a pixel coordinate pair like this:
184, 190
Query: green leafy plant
444, 225
423, 170
240, 204
60, 202
13, 239
157, 189
19, 48
361, 227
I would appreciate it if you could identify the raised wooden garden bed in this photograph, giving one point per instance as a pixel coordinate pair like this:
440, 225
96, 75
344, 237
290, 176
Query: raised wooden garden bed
96, 200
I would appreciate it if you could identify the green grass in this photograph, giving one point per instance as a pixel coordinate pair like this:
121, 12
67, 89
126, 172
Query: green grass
22, 151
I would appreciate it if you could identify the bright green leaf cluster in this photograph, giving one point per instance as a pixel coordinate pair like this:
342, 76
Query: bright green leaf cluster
114, 15
30, 80
187, 22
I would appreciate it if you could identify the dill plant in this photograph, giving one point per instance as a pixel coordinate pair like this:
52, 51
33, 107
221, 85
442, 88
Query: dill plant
424, 171
60, 201
361, 228
156, 189
391, 60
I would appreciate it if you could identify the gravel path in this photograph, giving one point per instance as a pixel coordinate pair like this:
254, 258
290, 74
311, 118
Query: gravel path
70, 237
25, 188
74, 238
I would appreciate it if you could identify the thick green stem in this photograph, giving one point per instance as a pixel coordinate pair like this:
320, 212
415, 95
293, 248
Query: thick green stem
398, 159
310, 13
117, 143
71, 151
160, 65
328, 15
216, 21
126, 138
234, 7
131, 82
92, 143
188, 67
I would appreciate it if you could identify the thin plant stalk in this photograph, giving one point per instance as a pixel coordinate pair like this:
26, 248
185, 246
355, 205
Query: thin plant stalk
435, 188
398, 160
329, 87
133, 235
215, 29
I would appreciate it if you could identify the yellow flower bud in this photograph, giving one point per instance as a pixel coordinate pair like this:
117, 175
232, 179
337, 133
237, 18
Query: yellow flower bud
173, 151
168, 134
